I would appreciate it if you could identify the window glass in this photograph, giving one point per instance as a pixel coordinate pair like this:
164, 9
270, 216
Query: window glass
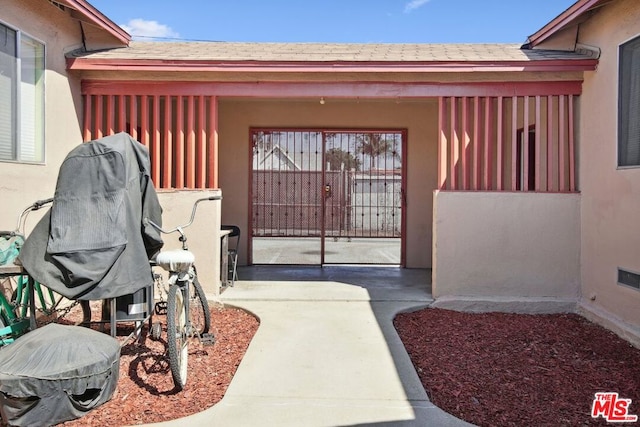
629, 104
21, 97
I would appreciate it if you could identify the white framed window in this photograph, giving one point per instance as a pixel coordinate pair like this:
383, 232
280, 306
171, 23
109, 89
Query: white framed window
629, 104
21, 97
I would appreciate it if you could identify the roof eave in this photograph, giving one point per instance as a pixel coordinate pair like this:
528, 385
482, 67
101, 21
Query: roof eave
94, 16
151, 65
561, 21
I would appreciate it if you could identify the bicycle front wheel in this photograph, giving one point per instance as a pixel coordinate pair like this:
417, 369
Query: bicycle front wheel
177, 336
199, 313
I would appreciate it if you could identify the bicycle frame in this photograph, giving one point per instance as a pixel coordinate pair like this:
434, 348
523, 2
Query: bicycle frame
180, 265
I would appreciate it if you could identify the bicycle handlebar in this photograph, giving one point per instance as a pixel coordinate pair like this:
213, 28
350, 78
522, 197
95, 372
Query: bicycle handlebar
180, 227
33, 207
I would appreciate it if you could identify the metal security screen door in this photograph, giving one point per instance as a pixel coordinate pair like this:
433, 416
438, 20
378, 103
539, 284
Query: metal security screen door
327, 197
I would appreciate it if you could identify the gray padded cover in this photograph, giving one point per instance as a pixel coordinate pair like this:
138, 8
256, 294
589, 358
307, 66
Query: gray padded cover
56, 373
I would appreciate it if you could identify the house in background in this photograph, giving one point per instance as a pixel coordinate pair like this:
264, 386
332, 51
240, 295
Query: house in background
520, 175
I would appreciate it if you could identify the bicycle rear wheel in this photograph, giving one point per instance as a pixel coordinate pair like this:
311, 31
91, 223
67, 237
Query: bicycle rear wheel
177, 336
199, 313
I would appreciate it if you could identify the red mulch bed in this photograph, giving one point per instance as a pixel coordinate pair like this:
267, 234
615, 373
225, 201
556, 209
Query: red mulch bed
503, 369
145, 392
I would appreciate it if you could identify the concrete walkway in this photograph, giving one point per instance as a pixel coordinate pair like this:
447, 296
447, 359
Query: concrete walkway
326, 352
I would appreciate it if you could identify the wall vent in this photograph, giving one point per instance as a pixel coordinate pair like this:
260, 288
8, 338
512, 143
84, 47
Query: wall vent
628, 278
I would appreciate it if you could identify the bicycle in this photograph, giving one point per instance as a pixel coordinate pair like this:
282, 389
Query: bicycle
19, 313
187, 309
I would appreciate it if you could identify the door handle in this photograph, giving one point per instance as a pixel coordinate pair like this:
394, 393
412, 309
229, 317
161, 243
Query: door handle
327, 190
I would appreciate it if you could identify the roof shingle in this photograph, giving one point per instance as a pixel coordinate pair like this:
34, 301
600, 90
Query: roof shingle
327, 52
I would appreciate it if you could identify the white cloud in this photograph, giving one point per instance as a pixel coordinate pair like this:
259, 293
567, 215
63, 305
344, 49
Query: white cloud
414, 4
142, 28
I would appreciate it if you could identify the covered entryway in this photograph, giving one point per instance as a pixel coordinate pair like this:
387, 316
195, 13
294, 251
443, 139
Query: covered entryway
327, 196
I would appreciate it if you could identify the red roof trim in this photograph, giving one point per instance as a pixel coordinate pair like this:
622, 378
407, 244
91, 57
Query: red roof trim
338, 89
98, 18
561, 21
309, 67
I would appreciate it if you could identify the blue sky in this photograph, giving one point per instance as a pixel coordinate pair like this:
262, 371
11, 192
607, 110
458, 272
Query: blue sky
339, 21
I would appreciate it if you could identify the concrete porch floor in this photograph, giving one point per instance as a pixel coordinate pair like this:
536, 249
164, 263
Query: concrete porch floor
326, 352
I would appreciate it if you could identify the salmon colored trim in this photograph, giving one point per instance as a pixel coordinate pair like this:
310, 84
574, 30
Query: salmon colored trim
191, 143
476, 144
96, 17
442, 144
455, 144
466, 140
182, 66
155, 142
561, 143
179, 149
550, 144
488, 152
133, 117
514, 141
538, 161
525, 145
87, 118
201, 146
500, 143
572, 164
212, 148
561, 21
167, 150
334, 89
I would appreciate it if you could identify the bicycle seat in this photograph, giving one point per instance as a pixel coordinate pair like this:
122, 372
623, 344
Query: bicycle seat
176, 260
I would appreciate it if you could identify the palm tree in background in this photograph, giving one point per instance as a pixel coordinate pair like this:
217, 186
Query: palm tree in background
375, 145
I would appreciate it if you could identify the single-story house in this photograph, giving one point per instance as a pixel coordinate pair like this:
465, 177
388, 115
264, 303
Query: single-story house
519, 164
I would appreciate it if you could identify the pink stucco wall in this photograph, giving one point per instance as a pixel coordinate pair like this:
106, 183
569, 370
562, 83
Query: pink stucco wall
610, 196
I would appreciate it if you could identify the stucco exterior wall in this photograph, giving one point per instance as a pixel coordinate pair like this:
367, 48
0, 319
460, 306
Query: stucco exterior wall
506, 251
610, 196
203, 236
22, 184
419, 118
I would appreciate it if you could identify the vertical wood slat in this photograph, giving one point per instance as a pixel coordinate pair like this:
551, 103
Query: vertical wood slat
572, 164
476, 144
514, 141
212, 149
488, 152
500, 146
122, 112
155, 142
179, 144
110, 116
167, 149
201, 157
97, 134
442, 144
550, 183
538, 162
144, 123
133, 117
88, 105
525, 146
466, 141
561, 145
453, 167
190, 150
